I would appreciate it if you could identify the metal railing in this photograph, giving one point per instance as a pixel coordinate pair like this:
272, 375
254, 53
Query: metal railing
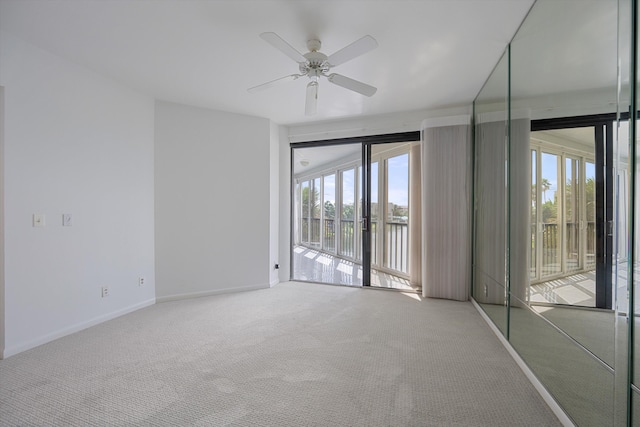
329, 235
397, 247
325, 236
347, 238
551, 251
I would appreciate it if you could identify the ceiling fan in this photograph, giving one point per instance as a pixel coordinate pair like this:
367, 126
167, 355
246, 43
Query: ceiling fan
315, 64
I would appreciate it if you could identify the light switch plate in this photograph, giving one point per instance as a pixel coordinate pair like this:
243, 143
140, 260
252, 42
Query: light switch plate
38, 220
66, 220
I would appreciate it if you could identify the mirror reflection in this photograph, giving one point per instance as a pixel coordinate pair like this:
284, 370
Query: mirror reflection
490, 289
564, 81
545, 203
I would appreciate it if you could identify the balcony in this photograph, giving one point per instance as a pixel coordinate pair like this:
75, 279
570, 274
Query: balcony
331, 251
566, 273
552, 254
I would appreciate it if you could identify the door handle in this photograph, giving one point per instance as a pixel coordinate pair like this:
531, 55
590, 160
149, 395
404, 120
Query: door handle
365, 223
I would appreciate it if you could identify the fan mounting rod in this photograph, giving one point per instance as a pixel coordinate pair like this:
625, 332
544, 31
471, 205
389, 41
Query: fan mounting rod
314, 44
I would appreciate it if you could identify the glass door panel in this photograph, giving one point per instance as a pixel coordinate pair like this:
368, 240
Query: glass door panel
359, 213
329, 213
314, 205
304, 213
375, 215
391, 187
590, 215
397, 213
563, 215
348, 212
323, 227
551, 253
572, 215
534, 268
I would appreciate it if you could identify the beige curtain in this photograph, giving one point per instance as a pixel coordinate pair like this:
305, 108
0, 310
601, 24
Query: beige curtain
415, 225
446, 207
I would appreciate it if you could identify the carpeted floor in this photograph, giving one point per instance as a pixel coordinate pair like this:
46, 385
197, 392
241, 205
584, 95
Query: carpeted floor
294, 355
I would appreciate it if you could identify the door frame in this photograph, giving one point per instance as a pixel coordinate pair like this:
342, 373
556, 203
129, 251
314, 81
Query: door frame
366, 143
603, 125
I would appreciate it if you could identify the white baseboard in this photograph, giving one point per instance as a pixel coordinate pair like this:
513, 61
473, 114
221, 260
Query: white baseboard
274, 282
176, 297
544, 393
13, 350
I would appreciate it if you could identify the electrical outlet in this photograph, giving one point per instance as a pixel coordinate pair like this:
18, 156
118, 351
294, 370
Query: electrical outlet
38, 220
276, 267
105, 292
140, 281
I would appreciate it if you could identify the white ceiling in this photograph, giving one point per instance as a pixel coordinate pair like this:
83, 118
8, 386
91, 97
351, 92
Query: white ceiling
431, 54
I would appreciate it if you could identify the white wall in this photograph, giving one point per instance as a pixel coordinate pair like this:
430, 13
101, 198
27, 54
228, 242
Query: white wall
285, 205
212, 202
274, 202
78, 143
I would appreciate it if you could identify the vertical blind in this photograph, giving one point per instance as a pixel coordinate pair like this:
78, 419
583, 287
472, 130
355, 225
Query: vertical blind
446, 207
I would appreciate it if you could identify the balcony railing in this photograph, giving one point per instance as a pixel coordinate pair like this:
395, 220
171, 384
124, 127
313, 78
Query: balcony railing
329, 234
551, 251
347, 238
324, 237
397, 246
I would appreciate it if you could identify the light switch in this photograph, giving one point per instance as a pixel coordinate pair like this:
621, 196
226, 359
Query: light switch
66, 220
38, 220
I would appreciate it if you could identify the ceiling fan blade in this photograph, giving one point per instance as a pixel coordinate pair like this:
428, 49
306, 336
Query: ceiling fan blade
311, 106
354, 85
355, 49
272, 83
276, 41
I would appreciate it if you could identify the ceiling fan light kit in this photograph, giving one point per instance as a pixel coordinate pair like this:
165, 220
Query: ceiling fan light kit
315, 64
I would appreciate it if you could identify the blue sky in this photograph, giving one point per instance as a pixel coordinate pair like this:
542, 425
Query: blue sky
549, 170
398, 168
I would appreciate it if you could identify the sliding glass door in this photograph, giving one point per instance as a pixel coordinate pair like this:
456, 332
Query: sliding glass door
351, 213
570, 262
325, 222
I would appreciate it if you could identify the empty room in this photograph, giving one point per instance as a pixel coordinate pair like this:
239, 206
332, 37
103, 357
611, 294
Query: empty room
322, 213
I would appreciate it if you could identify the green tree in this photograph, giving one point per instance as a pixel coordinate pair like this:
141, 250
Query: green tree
348, 211
590, 198
545, 184
329, 210
549, 212
313, 203
398, 212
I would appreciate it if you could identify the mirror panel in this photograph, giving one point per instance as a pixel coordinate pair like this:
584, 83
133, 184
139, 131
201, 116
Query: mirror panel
580, 383
549, 250
564, 87
633, 264
490, 116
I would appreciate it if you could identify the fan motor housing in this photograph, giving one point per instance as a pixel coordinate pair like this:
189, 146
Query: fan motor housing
316, 63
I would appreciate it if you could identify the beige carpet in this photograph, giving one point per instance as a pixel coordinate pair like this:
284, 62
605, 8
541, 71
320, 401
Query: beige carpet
295, 355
